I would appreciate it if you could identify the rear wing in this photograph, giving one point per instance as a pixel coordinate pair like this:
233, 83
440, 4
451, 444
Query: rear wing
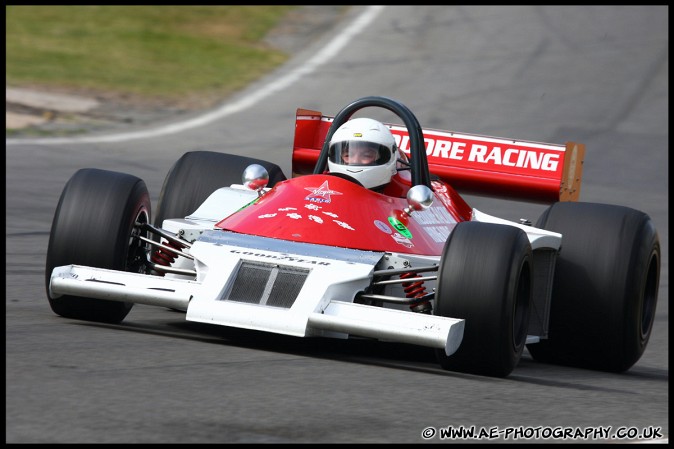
474, 164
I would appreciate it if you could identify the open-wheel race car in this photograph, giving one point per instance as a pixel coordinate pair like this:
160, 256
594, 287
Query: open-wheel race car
236, 243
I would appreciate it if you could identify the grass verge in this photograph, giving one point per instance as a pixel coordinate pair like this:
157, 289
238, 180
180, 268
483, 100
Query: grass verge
150, 51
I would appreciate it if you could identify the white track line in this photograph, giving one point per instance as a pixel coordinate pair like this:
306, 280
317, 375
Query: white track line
326, 54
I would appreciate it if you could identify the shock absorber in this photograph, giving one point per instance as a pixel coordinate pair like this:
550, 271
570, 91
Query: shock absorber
165, 257
416, 290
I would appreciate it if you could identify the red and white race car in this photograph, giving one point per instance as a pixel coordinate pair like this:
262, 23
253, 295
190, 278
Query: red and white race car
236, 243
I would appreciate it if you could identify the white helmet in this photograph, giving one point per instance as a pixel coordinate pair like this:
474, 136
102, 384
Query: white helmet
364, 149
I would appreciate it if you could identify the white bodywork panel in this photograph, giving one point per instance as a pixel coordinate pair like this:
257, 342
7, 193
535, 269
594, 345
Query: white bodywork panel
122, 286
223, 202
390, 324
539, 238
328, 279
219, 254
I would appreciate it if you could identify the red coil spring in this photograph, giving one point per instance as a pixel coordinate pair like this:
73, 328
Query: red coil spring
416, 290
165, 257
413, 289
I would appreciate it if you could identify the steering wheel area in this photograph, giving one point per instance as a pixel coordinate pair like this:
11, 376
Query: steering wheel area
347, 177
418, 160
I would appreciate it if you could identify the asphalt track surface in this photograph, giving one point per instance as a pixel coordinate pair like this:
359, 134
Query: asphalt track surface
595, 74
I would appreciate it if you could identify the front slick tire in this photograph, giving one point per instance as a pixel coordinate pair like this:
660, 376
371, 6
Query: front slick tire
485, 277
605, 287
93, 226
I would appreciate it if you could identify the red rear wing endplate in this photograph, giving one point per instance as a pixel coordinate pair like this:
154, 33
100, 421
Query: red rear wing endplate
482, 165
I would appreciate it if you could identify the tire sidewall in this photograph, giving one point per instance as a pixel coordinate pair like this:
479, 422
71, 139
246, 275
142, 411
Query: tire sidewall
604, 288
484, 267
92, 226
197, 174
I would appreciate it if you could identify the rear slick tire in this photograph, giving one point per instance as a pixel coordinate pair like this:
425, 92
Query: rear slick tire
94, 225
197, 174
605, 286
485, 277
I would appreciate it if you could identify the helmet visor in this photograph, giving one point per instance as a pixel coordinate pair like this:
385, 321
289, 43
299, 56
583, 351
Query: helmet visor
358, 152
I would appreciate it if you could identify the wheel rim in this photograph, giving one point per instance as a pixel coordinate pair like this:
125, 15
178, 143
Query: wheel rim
649, 299
137, 253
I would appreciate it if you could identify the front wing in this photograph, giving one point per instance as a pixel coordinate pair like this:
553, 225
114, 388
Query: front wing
269, 285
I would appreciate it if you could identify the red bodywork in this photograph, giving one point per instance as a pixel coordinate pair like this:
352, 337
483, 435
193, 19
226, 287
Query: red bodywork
328, 210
